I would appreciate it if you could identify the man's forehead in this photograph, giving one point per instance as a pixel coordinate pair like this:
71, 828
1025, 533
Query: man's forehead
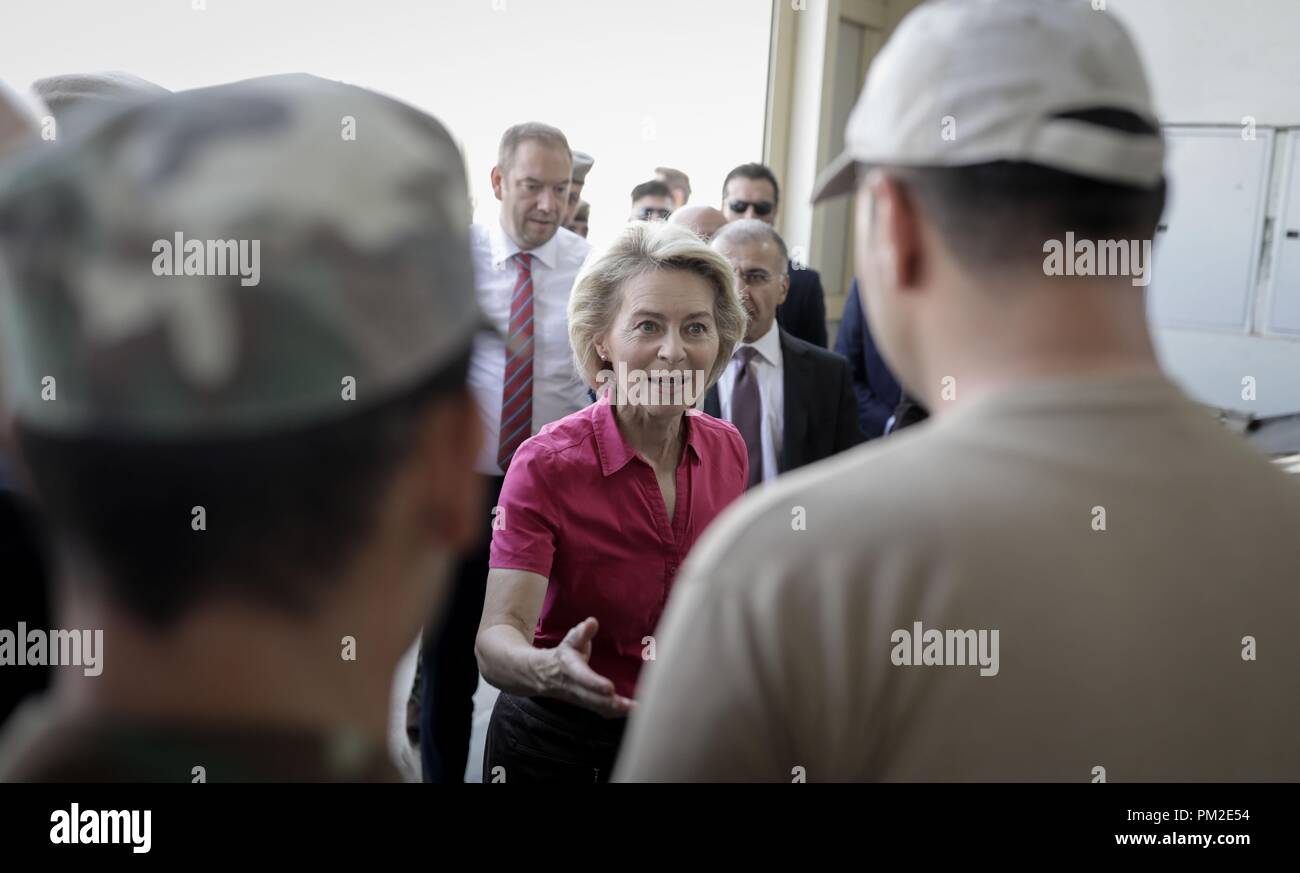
748, 253
540, 161
744, 183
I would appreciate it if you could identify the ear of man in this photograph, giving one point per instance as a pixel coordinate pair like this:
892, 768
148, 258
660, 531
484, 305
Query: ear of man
447, 446
498, 181
898, 242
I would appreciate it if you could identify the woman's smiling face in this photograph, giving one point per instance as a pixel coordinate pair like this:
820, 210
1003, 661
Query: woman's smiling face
665, 322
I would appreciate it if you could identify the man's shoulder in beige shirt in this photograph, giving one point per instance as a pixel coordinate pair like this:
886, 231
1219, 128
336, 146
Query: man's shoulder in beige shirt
1069, 577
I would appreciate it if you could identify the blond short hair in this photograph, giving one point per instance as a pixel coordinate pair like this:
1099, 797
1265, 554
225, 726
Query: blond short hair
641, 247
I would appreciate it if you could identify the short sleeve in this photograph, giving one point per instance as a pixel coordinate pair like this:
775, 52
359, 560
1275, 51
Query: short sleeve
525, 527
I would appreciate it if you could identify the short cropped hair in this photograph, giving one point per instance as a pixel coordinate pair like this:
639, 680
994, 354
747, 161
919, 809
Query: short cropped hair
1003, 212
653, 188
287, 510
754, 171
675, 179
529, 130
751, 230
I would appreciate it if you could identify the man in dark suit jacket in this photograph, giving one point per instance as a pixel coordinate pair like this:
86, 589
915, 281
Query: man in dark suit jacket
791, 401
804, 311
877, 390
751, 191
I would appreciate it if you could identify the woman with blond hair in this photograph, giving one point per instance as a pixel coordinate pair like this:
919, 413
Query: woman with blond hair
600, 508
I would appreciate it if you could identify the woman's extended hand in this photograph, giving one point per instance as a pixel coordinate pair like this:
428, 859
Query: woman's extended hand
566, 675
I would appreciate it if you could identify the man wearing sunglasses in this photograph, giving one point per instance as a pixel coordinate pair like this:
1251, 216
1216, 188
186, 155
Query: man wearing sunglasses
751, 191
651, 201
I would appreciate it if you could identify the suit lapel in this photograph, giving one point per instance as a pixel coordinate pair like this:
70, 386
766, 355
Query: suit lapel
795, 381
713, 406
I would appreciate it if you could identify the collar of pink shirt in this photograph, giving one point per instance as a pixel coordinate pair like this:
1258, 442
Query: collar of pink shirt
613, 449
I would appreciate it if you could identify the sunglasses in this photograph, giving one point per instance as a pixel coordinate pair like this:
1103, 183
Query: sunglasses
741, 206
648, 213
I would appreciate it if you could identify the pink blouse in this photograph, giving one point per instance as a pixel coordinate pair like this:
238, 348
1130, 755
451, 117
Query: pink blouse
582, 508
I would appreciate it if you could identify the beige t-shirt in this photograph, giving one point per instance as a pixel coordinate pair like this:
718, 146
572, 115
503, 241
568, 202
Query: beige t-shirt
1140, 565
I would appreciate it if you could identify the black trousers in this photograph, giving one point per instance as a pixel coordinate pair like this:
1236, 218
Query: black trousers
448, 669
543, 740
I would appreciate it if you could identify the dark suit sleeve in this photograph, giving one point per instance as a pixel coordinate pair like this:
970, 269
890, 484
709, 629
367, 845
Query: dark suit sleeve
803, 314
847, 431
854, 343
848, 344
712, 403
815, 311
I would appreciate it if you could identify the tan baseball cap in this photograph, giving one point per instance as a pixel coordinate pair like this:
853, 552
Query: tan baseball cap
965, 82
582, 164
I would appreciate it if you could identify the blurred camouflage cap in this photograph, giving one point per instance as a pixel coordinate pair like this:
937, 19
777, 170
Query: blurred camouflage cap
18, 117
233, 260
69, 91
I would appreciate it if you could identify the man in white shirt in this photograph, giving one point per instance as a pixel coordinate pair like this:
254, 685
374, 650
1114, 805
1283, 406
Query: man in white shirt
791, 401
1070, 572
522, 378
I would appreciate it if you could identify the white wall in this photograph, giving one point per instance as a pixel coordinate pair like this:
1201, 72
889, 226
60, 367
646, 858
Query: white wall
801, 140
1213, 62
807, 104
680, 83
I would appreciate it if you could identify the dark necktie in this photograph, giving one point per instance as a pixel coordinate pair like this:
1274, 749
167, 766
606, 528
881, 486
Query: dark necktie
747, 412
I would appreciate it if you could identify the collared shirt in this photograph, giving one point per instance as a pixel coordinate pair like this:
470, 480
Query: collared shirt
557, 389
769, 366
582, 508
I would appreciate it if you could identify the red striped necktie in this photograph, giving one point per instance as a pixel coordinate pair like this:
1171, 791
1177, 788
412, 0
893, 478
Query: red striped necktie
517, 385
